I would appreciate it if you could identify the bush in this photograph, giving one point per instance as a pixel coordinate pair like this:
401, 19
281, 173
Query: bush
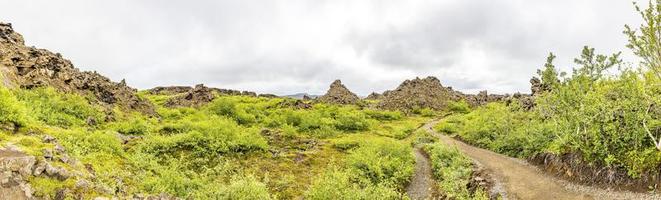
383, 161
11, 109
452, 171
459, 107
383, 115
207, 137
60, 109
339, 184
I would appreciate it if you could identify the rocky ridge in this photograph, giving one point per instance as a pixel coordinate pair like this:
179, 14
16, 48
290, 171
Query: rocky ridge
30, 67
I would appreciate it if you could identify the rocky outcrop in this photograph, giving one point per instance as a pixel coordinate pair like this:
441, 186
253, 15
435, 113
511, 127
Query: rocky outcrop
339, 94
295, 103
170, 90
29, 67
374, 96
417, 93
197, 96
483, 98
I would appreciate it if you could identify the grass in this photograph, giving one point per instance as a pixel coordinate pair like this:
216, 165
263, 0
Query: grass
235, 147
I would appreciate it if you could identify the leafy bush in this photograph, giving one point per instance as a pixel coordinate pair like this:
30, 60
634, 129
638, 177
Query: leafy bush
383, 115
342, 184
453, 171
134, 126
383, 161
459, 107
59, 109
11, 109
208, 136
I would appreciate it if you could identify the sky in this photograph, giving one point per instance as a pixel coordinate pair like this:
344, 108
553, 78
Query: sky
291, 46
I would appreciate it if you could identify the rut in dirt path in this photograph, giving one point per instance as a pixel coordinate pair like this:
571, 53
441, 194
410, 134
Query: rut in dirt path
421, 184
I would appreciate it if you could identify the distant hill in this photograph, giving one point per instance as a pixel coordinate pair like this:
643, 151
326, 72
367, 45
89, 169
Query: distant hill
300, 95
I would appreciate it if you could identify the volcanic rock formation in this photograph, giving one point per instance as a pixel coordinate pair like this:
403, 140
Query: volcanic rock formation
339, 94
417, 93
197, 96
29, 67
374, 96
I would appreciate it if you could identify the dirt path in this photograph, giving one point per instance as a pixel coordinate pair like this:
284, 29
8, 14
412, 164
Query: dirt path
421, 184
519, 180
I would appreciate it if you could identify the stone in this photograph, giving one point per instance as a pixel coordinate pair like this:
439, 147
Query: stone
49, 139
48, 154
59, 149
82, 184
15, 169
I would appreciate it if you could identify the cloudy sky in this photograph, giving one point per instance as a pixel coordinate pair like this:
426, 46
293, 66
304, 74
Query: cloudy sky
291, 46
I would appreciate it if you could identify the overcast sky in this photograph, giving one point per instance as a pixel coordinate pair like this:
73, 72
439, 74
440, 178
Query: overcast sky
293, 46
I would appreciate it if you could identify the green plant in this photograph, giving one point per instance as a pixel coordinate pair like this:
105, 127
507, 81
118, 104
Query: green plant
452, 171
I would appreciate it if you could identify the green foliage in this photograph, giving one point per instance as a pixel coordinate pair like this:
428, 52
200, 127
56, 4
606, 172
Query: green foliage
646, 42
59, 109
383, 161
459, 107
383, 115
549, 74
453, 171
203, 137
245, 187
134, 126
425, 112
11, 109
342, 184
609, 121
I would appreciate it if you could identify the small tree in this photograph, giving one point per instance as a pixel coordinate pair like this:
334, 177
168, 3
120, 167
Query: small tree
549, 74
646, 44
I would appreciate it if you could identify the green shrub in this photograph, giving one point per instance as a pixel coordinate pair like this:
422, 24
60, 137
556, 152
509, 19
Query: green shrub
383, 161
351, 121
11, 109
339, 184
459, 107
383, 115
244, 188
425, 112
208, 136
135, 126
452, 171
60, 109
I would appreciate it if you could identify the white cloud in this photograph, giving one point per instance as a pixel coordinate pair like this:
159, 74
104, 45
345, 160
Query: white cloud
301, 46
